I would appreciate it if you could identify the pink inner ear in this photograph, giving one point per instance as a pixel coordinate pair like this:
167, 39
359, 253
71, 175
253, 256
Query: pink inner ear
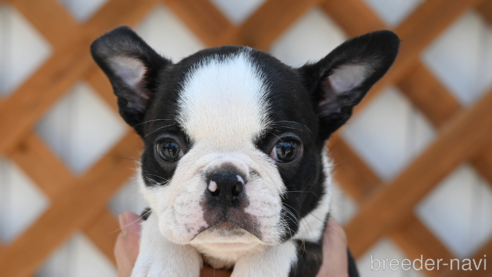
132, 72
346, 77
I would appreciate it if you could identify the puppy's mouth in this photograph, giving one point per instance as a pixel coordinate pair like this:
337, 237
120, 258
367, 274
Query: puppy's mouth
225, 225
229, 219
228, 227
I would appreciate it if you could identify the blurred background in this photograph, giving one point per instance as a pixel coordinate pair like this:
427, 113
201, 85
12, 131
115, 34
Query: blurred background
413, 166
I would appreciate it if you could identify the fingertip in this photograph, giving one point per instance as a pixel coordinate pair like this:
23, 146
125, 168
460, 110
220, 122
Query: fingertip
335, 257
118, 246
335, 230
129, 223
129, 217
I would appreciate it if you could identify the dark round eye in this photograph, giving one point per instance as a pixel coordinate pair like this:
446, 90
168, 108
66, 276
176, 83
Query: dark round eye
285, 151
169, 150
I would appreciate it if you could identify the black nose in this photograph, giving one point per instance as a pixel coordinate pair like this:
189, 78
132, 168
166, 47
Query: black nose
226, 186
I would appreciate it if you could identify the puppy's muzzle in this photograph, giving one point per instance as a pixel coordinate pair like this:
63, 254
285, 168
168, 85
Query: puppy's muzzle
225, 199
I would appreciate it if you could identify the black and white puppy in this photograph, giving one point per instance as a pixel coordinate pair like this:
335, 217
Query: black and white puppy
234, 167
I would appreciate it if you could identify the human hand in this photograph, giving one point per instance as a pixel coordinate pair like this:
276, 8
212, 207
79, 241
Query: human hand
127, 245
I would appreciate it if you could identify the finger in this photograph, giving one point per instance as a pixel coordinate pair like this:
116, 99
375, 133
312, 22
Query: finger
130, 228
127, 243
335, 259
123, 264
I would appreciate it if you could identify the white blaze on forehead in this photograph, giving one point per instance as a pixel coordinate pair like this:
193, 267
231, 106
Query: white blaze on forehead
223, 99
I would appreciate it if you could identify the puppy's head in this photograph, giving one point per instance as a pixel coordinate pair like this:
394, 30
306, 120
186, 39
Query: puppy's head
234, 138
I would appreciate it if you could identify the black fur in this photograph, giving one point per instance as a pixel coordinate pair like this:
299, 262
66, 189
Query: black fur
304, 108
352, 267
123, 42
378, 50
145, 214
309, 259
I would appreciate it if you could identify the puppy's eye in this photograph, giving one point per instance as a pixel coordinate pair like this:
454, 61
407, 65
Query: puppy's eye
285, 151
169, 150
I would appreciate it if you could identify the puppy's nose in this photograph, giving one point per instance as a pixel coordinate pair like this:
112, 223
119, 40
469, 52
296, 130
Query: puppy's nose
226, 185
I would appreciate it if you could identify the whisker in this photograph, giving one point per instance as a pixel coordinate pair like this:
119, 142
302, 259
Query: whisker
337, 165
131, 223
158, 130
289, 212
294, 122
279, 138
149, 121
317, 218
157, 176
303, 191
288, 127
154, 181
289, 206
309, 225
120, 157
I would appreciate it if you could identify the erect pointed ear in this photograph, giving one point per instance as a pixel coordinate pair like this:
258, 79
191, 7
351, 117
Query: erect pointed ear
340, 80
132, 68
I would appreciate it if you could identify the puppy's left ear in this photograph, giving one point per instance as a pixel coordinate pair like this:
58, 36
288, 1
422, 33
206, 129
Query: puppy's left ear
340, 80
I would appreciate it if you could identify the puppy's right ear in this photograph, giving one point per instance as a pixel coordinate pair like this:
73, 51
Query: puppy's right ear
132, 68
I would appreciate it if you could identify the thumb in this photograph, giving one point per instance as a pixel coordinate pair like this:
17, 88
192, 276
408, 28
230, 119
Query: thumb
130, 235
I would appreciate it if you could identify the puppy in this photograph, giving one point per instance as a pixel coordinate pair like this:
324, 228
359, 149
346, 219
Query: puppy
234, 168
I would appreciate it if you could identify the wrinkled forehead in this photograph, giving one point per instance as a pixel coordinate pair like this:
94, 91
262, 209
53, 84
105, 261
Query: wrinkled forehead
223, 99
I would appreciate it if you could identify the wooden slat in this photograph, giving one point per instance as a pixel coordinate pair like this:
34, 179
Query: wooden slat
51, 175
438, 105
46, 170
203, 18
364, 21
33, 149
94, 231
455, 143
422, 88
49, 18
429, 95
355, 18
100, 83
482, 162
483, 253
416, 240
411, 235
72, 209
417, 32
21, 110
268, 22
350, 172
485, 9
103, 231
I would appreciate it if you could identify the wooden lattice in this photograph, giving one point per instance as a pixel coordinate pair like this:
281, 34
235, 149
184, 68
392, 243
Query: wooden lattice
464, 133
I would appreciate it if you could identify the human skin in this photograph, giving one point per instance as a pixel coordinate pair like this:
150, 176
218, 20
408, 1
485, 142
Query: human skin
126, 249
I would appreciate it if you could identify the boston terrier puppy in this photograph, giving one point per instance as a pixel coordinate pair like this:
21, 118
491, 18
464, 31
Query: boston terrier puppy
235, 167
